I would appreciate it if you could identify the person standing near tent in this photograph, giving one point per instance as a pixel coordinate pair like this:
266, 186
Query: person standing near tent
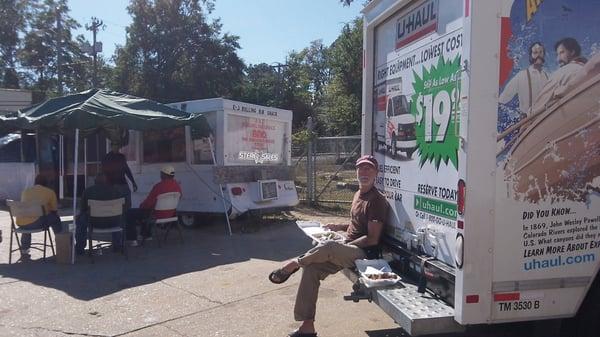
115, 168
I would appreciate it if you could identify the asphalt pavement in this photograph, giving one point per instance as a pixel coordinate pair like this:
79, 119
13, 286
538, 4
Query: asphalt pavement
211, 285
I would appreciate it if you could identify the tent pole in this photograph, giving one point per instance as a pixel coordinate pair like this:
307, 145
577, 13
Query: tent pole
61, 167
212, 151
22, 151
75, 162
37, 151
84, 162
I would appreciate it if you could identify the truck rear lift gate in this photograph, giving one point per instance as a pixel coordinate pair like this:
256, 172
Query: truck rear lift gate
418, 314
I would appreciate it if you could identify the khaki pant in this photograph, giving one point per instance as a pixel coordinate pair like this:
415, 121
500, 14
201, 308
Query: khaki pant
323, 260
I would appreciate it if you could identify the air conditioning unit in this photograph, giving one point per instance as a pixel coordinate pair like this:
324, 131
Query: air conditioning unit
267, 190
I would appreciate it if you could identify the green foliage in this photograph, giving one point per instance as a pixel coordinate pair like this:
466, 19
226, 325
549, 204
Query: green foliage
38, 49
14, 20
341, 111
297, 85
302, 137
174, 53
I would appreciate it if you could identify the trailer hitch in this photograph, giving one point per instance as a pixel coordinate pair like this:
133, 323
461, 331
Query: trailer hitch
358, 293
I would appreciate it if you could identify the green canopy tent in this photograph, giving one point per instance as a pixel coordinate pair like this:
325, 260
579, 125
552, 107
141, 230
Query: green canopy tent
99, 110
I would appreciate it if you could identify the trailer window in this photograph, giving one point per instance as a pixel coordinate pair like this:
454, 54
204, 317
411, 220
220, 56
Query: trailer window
162, 146
201, 147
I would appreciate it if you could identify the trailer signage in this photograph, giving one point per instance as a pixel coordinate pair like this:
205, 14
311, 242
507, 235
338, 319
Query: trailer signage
547, 169
417, 23
416, 108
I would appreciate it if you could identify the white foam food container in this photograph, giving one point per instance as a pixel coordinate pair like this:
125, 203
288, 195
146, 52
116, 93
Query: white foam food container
376, 268
315, 231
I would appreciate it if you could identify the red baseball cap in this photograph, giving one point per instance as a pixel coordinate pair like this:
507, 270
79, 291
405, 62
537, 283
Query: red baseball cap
369, 159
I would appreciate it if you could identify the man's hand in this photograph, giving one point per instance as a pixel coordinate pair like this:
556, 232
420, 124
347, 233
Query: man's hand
134, 187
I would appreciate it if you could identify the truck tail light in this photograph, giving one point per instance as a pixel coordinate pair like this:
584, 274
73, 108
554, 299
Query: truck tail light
460, 205
236, 190
472, 299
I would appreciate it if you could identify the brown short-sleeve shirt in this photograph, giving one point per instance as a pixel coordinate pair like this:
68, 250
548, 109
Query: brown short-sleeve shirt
366, 207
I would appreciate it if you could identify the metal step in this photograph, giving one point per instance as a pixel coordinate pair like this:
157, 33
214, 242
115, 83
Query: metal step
418, 314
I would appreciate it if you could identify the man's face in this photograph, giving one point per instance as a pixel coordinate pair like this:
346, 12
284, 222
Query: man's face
366, 174
115, 148
563, 56
537, 55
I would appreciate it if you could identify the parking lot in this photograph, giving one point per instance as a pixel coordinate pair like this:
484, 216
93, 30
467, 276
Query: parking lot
212, 285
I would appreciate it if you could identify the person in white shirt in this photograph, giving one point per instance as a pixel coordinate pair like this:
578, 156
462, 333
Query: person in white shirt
527, 83
568, 56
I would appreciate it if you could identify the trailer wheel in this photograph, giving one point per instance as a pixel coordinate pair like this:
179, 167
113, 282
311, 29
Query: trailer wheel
586, 322
188, 220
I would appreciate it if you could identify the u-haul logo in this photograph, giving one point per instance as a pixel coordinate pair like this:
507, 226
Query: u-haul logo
417, 23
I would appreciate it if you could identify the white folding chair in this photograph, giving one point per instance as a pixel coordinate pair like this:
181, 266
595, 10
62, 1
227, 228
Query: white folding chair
167, 202
28, 210
99, 209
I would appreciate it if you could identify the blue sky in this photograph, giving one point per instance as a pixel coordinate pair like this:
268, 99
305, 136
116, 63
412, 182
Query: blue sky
268, 29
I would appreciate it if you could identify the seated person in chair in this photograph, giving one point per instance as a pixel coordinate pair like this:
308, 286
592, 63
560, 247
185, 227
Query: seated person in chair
141, 215
101, 190
46, 197
369, 213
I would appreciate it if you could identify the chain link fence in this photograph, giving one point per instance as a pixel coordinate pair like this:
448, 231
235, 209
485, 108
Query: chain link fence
324, 169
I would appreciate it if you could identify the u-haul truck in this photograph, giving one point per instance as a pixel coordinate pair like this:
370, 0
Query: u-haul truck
496, 214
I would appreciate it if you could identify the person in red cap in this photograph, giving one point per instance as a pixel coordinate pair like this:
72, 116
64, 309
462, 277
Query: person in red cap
368, 217
140, 215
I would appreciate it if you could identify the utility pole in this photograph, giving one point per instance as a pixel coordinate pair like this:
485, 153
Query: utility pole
94, 28
279, 68
59, 50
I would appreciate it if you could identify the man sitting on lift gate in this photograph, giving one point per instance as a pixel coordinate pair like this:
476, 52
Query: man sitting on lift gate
369, 214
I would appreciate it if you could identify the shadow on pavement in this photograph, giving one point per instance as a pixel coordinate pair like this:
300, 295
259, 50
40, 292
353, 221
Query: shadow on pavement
204, 248
387, 333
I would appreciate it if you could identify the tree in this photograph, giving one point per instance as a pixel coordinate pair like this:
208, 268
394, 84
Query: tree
349, 2
39, 53
261, 85
14, 14
297, 85
173, 53
341, 110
